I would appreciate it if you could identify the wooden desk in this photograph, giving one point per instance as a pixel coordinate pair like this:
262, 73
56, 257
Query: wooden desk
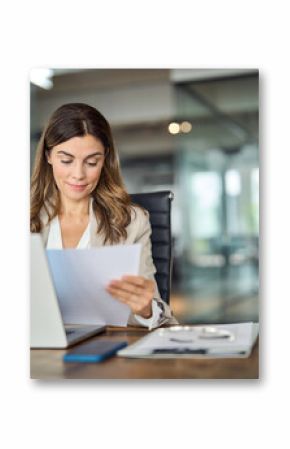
48, 364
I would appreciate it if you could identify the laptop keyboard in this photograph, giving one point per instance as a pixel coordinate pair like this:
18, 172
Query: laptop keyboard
70, 331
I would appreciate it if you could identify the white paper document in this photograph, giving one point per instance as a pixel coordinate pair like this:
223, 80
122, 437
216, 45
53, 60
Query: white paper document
220, 340
80, 277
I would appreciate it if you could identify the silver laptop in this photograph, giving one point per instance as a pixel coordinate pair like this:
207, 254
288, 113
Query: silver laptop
47, 329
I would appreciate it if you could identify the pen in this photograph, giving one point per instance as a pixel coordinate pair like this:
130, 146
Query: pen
179, 351
202, 351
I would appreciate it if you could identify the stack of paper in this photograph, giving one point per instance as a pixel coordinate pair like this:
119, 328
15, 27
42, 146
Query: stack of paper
221, 340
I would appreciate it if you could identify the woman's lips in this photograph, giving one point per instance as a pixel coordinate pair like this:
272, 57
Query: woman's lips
77, 187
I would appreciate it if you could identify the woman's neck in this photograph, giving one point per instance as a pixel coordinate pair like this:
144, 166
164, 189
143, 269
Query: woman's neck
76, 210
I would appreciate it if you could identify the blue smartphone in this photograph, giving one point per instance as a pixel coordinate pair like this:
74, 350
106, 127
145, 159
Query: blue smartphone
94, 352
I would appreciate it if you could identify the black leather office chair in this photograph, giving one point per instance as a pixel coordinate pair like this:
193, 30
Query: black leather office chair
158, 204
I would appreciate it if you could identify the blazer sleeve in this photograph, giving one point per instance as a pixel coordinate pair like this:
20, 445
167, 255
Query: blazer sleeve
147, 268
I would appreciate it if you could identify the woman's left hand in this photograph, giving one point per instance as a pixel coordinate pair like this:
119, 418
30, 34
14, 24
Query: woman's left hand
135, 291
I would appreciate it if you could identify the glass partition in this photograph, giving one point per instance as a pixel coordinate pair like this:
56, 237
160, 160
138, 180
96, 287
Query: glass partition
218, 182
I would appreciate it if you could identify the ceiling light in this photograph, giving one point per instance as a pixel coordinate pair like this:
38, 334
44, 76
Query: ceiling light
186, 127
174, 128
42, 78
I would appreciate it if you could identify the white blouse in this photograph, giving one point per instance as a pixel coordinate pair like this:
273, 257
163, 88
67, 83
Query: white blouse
55, 242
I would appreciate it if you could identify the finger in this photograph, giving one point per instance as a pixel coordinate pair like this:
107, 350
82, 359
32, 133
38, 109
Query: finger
137, 280
127, 286
135, 299
124, 296
140, 281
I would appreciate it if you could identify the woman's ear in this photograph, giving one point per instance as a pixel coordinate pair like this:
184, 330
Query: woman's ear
47, 155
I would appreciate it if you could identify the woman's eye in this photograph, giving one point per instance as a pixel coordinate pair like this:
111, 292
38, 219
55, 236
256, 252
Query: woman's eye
90, 164
65, 162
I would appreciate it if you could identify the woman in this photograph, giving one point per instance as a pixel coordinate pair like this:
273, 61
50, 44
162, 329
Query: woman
78, 200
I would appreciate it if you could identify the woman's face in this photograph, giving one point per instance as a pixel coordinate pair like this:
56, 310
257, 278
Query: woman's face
77, 165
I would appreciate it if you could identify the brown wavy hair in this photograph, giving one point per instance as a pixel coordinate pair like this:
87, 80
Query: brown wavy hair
111, 203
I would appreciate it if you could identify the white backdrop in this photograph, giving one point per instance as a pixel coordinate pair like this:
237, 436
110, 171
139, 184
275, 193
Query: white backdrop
185, 34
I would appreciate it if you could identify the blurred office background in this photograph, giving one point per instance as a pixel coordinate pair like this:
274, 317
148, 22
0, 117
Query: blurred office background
194, 132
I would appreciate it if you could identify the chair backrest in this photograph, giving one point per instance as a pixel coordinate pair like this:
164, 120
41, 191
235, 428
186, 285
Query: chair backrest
158, 204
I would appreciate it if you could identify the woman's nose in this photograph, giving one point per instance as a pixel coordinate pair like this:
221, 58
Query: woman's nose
78, 171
